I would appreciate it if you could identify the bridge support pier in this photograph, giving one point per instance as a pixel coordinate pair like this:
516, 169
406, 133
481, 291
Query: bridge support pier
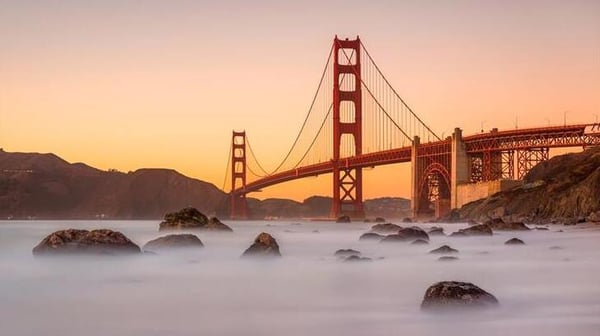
461, 164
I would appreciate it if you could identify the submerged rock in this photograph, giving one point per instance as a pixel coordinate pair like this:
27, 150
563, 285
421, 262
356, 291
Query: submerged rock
475, 230
450, 295
191, 219
419, 242
343, 219
371, 236
264, 246
444, 249
514, 241
346, 253
379, 220
407, 234
499, 225
385, 228
355, 258
173, 241
95, 242
436, 231
447, 258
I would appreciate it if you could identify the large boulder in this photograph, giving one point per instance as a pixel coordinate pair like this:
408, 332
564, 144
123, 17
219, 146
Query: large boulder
191, 219
475, 230
514, 241
264, 246
173, 241
95, 242
436, 231
450, 295
385, 228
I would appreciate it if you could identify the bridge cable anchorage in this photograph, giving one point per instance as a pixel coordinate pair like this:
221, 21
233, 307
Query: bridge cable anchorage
376, 100
310, 109
396, 93
227, 167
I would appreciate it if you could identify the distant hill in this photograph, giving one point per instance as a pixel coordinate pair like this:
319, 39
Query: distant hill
44, 186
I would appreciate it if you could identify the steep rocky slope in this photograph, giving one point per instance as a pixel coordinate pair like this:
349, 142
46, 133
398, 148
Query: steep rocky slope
565, 189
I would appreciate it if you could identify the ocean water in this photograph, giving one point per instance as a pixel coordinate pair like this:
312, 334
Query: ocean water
542, 291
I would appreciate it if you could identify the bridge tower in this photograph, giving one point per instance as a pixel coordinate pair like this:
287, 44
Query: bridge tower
347, 98
238, 206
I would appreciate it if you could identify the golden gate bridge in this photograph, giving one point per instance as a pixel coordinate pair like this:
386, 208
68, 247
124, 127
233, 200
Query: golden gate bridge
356, 120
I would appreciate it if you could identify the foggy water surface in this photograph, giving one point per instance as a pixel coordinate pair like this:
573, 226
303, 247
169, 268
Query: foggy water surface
212, 291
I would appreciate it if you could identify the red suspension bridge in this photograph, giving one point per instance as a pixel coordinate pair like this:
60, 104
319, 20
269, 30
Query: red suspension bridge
356, 119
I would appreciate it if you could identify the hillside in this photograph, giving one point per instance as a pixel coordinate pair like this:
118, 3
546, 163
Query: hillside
565, 188
46, 186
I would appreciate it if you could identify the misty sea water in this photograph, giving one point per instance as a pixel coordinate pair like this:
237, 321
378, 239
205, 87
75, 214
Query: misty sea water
211, 291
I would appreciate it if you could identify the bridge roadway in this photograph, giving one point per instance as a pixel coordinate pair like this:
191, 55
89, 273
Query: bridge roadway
581, 135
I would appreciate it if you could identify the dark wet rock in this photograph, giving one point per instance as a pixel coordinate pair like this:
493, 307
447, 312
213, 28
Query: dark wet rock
379, 220
436, 231
499, 225
385, 228
346, 253
95, 242
355, 258
173, 241
447, 258
264, 246
541, 228
406, 235
419, 242
343, 219
450, 295
371, 236
444, 249
514, 241
475, 230
191, 219
406, 220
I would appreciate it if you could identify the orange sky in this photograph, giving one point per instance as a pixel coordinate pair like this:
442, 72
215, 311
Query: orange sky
124, 84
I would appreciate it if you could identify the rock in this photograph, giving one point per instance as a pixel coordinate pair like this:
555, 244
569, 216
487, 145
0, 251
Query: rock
450, 295
436, 231
447, 258
499, 225
95, 242
346, 253
406, 234
475, 230
366, 220
355, 258
514, 241
444, 249
191, 219
419, 242
379, 220
541, 228
413, 232
556, 248
385, 228
173, 241
406, 220
371, 236
343, 219
264, 246
594, 217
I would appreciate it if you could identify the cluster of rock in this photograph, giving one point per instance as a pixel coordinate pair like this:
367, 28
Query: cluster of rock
94, 242
350, 255
191, 219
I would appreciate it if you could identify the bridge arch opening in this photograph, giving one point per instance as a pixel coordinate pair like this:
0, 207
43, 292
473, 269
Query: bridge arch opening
434, 196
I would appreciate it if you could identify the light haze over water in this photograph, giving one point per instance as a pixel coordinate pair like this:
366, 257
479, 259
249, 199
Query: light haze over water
211, 291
